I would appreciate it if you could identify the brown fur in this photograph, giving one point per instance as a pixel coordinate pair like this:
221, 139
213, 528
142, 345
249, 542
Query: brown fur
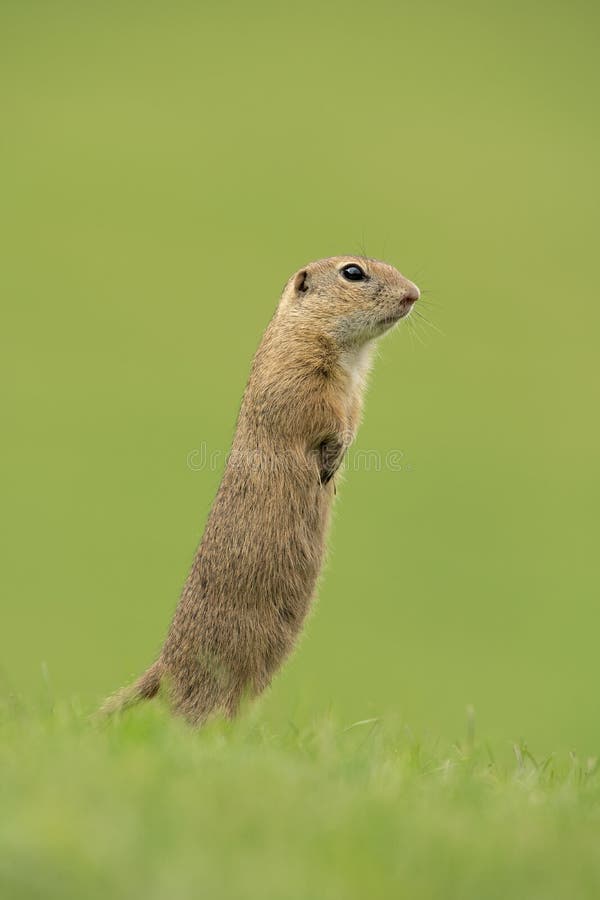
254, 574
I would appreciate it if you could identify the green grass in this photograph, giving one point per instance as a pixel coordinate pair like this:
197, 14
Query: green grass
145, 807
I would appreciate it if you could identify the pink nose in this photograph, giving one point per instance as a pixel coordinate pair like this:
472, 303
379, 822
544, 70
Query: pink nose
411, 291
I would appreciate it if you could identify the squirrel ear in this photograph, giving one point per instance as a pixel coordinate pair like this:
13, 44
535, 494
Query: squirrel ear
301, 281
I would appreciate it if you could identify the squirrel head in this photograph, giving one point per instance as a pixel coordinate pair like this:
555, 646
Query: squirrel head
351, 299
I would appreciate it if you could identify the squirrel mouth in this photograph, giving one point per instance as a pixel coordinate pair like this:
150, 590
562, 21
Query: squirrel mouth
401, 314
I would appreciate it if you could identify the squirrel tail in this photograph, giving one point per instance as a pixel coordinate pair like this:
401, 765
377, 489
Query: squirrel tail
144, 688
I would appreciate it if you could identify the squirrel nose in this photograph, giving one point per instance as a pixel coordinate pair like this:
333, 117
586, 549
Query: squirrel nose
411, 291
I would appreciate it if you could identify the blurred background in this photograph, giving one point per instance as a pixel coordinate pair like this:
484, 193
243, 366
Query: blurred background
165, 167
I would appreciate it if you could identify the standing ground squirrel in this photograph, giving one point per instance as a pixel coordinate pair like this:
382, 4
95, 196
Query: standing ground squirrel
254, 574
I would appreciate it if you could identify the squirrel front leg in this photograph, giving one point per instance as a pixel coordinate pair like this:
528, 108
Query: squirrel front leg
338, 427
330, 454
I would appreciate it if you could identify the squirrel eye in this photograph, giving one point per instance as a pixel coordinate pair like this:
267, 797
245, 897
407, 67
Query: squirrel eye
353, 273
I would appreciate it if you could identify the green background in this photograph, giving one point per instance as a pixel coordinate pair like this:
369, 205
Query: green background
165, 167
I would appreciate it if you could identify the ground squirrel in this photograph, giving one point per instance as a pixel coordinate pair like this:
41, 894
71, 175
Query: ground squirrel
254, 574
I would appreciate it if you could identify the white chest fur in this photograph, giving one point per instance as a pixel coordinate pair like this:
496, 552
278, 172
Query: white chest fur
356, 362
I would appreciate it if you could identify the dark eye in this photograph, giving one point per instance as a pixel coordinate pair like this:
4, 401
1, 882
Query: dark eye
353, 273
